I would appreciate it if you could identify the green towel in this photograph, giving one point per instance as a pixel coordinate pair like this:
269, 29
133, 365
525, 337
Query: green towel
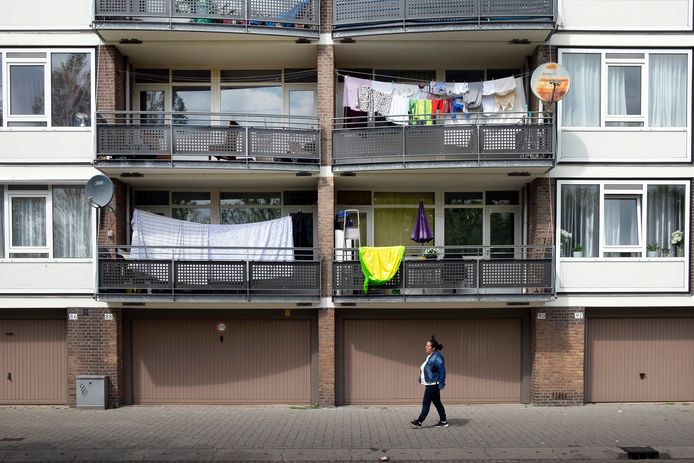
379, 265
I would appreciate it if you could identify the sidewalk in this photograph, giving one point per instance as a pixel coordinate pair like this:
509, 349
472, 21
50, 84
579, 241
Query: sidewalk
357, 433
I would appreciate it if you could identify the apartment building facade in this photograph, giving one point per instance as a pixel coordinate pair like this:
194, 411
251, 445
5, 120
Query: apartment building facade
559, 269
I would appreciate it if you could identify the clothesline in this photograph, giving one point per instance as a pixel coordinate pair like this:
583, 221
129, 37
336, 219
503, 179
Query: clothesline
349, 72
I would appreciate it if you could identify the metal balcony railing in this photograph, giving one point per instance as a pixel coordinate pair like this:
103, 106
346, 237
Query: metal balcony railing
235, 273
238, 140
277, 16
480, 14
461, 271
477, 138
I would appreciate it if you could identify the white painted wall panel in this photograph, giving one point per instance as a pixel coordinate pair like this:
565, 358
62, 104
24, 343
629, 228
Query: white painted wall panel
628, 275
625, 15
46, 14
46, 277
46, 146
600, 145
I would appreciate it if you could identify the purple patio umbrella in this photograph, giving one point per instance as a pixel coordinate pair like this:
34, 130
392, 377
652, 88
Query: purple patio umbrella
421, 231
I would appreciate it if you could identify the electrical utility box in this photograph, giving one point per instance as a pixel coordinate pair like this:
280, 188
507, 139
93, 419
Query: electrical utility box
92, 392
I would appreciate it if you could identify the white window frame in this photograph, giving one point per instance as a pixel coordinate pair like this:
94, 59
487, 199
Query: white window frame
644, 63
46, 62
47, 195
642, 210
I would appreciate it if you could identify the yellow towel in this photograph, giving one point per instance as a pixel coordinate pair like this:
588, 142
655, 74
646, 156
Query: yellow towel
379, 265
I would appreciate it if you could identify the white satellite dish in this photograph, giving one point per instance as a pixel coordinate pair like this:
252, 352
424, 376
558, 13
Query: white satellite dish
99, 190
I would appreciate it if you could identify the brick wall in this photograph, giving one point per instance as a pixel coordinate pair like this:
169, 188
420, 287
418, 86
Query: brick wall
326, 357
326, 103
326, 16
542, 207
110, 79
113, 217
95, 347
542, 54
558, 351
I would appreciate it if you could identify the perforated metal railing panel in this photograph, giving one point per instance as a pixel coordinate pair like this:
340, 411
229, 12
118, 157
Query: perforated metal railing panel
356, 13
284, 143
130, 275
284, 12
210, 275
209, 140
360, 11
133, 139
438, 276
285, 276
442, 142
430, 273
426, 9
355, 146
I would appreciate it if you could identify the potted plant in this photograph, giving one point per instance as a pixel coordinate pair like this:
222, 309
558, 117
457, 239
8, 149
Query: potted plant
578, 250
652, 250
677, 241
564, 238
431, 253
666, 252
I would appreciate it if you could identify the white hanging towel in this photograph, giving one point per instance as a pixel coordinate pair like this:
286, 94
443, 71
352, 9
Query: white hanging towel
488, 87
504, 86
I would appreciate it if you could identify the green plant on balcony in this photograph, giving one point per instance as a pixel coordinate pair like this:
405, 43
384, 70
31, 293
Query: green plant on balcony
578, 250
652, 250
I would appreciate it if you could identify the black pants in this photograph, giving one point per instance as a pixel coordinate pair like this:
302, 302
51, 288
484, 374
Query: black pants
432, 394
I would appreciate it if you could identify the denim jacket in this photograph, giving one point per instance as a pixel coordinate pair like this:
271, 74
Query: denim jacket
435, 370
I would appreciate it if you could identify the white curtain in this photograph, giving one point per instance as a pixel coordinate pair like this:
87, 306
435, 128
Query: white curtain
581, 107
616, 91
580, 214
72, 228
665, 213
27, 89
621, 222
28, 221
667, 93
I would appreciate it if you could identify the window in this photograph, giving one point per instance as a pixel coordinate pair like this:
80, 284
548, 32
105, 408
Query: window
191, 206
45, 89
394, 218
608, 89
624, 219
45, 222
238, 208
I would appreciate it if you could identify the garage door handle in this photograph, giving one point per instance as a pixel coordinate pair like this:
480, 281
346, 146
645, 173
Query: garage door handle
642, 375
9, 376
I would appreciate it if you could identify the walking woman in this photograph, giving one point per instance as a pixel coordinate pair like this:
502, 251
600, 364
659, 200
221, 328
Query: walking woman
432, 375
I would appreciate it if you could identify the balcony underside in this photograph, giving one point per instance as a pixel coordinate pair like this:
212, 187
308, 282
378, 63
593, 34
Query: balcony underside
446, 298
535, 166
534, 32
115, 30
118, 167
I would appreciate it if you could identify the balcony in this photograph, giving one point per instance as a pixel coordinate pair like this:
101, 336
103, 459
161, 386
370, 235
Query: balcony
369, 17
510, 140
150, 273
295, 18
461, 273
136, 140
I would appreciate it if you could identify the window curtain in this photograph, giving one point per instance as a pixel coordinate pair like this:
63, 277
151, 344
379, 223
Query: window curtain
28, 221
71, 223
581, 107
667, 93
393, 226
624, 90
26, 90
621, 222
580, 214
665, 213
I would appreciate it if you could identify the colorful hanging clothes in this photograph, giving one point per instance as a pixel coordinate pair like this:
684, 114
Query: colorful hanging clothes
350, 94
379, 264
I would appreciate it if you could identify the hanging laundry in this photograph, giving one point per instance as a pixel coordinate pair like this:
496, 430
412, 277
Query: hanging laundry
427, 110
488, 87
488, 104
371, 101
437, 88
383, 87
350, 92
473, 97
505, 102
459, 88
504, 86
379, 264
457, 106
399, 108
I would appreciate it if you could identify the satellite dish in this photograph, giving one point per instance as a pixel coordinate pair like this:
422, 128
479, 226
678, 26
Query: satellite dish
99, 190
550, 82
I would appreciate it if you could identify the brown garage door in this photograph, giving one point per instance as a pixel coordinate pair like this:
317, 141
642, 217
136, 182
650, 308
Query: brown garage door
382, 360
620, 349
259, 361
33, 362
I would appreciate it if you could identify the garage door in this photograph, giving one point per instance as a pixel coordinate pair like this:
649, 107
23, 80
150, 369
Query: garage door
382, 359
258, 361
33, 362
640, 359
